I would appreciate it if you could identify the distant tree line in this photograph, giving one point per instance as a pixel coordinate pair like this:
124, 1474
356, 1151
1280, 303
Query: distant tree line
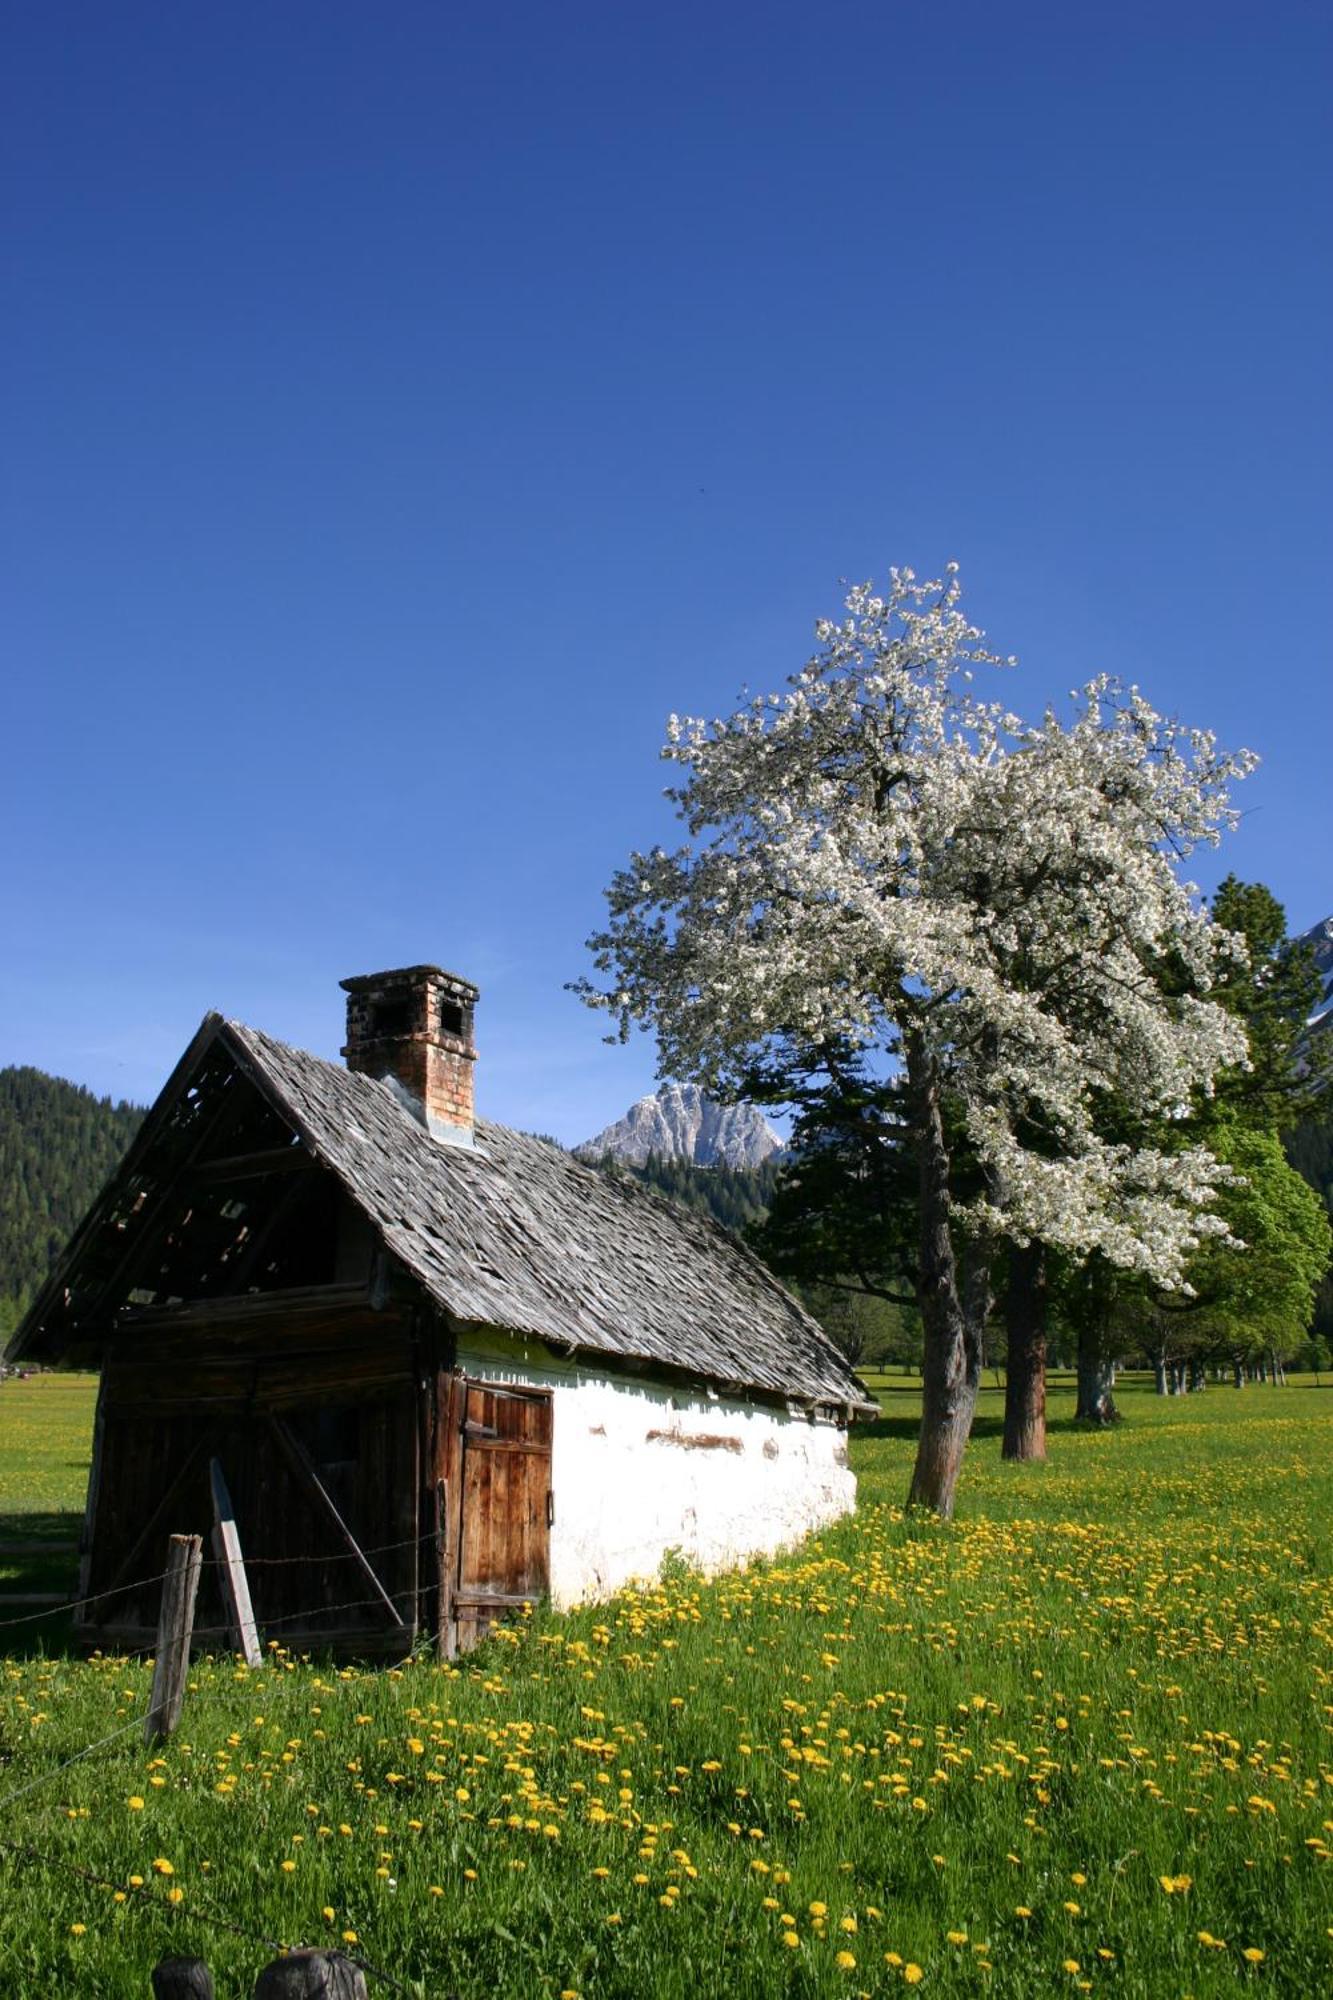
58, 1143
737, 1197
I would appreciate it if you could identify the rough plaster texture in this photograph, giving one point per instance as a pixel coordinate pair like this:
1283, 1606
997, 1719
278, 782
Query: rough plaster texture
638, 1468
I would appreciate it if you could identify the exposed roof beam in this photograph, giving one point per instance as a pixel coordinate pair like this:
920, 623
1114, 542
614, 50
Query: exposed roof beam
251, 1166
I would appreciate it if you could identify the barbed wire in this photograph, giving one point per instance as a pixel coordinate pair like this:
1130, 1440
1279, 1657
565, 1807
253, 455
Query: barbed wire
45, 1776
210, 1562
211, 1918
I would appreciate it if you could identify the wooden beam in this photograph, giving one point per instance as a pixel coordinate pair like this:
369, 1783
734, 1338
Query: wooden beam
180, 1586
305, 1469
231, 1569
293, 1194
295, 1303
251, 1166
158, 1223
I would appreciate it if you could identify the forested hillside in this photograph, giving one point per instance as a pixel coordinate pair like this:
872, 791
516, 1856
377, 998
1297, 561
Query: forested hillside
733, 1196
58, 1143
1310, 1150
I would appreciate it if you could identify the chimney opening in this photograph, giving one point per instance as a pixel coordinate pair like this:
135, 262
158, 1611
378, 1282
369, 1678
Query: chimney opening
451, 1017
390, 1018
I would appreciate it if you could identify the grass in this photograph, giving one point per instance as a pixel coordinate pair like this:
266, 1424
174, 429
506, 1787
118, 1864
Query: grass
1077, 1740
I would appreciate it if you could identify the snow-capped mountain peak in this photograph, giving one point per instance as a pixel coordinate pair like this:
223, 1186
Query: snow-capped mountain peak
678, 1122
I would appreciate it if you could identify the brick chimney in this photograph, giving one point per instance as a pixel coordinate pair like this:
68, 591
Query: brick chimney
414, 1029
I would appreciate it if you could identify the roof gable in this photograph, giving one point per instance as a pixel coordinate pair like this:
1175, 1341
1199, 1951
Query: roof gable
514, 1233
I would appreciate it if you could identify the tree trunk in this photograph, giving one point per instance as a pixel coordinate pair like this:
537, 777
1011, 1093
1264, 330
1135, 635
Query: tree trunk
950, 1375
1096, 1381
1238, 1374
1159, 1373
1025, 1375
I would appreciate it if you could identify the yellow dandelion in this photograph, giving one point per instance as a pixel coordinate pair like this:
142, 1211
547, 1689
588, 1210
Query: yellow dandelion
163, 1866
845, 1961
135, 1803
1252, 1955
912, 1973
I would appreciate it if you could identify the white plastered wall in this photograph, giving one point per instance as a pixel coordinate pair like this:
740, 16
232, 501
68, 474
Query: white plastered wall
639, 1468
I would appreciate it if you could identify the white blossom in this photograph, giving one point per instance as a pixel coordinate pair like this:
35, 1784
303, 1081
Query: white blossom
875, 850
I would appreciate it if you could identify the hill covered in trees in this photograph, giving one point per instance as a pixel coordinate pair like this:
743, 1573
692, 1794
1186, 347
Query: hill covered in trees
58, 1143
733, 1196
1310, 1150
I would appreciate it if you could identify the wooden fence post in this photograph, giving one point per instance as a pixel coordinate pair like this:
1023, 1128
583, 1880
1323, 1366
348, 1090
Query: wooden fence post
311, 1975
182, 1979
175, 1625
231, 1569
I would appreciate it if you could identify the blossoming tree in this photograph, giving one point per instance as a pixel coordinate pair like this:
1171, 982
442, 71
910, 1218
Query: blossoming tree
880, 860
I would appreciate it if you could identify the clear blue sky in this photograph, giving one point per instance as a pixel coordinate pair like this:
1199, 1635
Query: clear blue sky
405, 408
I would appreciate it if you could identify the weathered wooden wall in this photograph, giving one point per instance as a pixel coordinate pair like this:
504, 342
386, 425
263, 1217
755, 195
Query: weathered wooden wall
275, 1390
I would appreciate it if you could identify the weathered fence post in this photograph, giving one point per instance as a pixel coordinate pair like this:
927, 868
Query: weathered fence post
231, 1569
182, 1979
311, 1975
175, 1625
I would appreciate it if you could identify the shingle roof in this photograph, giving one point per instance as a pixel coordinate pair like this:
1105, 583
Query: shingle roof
516, 1233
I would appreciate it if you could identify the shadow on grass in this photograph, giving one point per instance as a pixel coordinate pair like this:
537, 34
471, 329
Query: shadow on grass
38, 1557
984, 1426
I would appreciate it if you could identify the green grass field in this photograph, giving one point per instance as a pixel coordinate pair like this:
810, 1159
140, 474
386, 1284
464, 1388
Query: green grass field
1079, 1740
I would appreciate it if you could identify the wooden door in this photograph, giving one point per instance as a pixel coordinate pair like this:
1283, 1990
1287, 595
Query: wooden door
499, 1503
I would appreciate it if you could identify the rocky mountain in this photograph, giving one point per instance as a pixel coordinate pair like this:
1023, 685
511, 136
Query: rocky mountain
1320, 936
678, 1122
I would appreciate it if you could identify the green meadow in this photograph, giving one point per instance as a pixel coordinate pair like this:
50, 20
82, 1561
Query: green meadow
1078, 1740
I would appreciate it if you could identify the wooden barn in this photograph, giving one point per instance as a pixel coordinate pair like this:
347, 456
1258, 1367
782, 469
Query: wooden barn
445, 1369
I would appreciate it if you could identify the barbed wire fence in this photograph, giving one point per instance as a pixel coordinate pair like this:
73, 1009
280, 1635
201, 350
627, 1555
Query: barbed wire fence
143, 1893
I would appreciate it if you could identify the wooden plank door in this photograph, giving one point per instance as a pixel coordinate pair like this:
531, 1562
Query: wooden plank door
499, 1503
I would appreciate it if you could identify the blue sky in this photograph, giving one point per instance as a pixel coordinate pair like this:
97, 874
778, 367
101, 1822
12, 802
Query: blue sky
405, 409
